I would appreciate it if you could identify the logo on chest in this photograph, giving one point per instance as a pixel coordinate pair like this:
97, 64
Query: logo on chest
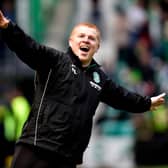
96, 77
74, 69
95, 85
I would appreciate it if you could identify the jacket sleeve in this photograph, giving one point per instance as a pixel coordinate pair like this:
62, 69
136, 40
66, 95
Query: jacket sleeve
28, 50
120, 98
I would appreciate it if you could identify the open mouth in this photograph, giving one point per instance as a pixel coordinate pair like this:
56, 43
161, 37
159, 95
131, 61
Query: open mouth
84, 48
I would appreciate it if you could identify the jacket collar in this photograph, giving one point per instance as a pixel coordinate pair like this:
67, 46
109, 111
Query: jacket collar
77, 61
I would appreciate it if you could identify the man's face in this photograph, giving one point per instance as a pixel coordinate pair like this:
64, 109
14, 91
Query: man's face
84, 42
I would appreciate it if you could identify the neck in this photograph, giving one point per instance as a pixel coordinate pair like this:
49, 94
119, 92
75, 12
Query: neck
84, 65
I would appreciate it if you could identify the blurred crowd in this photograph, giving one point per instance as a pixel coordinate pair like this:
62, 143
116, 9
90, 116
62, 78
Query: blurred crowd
137, 36
14, 100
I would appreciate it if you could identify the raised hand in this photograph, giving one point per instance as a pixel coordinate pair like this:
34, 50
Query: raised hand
157, 101
3, 21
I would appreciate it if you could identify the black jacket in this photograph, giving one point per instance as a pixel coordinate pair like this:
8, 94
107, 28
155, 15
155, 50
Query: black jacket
66, 96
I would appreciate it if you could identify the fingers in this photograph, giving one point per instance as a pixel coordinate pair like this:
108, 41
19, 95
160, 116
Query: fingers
158, 100
161, 95
3, 21
1, 15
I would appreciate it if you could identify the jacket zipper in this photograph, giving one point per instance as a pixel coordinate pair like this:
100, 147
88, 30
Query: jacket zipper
45, 88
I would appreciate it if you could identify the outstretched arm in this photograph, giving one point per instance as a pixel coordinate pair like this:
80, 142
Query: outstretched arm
121, 98
32, 53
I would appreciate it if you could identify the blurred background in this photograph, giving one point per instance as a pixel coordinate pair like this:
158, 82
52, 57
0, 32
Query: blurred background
133, 52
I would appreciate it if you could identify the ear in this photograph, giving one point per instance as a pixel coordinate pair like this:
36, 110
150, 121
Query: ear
98, 47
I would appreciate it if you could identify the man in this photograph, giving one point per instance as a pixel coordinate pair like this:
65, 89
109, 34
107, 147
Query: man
69, 87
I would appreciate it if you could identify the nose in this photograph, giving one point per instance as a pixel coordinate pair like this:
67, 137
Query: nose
86, 39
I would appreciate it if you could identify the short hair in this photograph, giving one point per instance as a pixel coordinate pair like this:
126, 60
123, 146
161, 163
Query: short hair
87, 24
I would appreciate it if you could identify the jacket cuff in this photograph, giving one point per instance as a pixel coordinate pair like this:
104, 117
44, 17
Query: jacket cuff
148, 102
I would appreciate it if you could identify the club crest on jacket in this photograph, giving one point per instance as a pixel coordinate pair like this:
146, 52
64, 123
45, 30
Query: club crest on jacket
96, 77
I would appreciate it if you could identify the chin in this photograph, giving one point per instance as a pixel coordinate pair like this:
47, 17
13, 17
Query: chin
82, 59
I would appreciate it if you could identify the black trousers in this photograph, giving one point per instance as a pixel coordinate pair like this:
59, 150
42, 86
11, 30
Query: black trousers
27, 156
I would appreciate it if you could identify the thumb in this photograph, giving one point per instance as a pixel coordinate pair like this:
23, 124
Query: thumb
161, 95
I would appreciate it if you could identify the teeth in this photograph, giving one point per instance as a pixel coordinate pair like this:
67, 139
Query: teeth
84, 47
